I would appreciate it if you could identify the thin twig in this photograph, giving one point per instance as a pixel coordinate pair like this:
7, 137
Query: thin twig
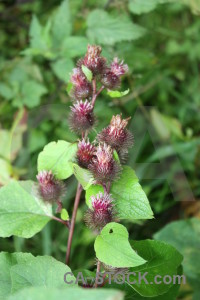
71, 230
98, 271
66, 223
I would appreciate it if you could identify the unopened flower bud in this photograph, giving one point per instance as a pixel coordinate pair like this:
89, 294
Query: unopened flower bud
101, 212
81, 117
50, 189
117, 135
93, 60
85, 153
82, 88
111, 78
104, 167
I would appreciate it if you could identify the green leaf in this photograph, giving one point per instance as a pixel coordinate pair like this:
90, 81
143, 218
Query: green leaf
21, 270
116, 156
62, 25
110, 30
62, 68
74, 46
8, 260
22, 213
185, 236
162, 259
117, 94
142, 6
42, 293
84, 176
39, 271
32, 91
130, 200
93, 191
112, 247
69, 87
37, 40
64, 214
57, 158
6, 91
87, 72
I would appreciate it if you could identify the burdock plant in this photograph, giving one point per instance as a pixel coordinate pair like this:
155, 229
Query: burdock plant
112, 192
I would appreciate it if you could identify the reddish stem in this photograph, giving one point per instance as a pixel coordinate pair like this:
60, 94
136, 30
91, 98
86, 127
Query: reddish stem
66, 223
71, 231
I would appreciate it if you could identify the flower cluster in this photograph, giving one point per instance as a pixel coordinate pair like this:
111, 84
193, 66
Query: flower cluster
101, 212
103, 166
50, 189
98, 157
117, 135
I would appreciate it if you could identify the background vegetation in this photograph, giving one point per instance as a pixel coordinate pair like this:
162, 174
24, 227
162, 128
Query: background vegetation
159, 40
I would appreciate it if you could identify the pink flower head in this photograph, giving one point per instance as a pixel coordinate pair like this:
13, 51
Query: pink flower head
118, 68
81, 117
85, 153
82, 88
50, 189
104, 167
93, 60
116, 135
101, 213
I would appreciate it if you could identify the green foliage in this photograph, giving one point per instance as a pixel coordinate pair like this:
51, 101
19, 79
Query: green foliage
22, 213
87, 73
57, 158
117, 94
64, 214
41, 293
84, 176
185, 237
112, 247
130, 200
110, 30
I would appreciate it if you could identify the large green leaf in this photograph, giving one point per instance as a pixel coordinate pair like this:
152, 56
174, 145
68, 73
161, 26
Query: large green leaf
40, 271
21, 270
130, 200
8, 260
42, 293
57, 158
110, 30
162, 259
62, 68
112, 247
185, 236
62, 25
142, 6
32, 91
22, 213
84, 176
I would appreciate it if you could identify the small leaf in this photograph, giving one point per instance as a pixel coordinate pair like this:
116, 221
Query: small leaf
64, 214
22, 213
112, 247
87, 72
117, 94
69, 87
84, 176
116, 156
142, 6
57, 158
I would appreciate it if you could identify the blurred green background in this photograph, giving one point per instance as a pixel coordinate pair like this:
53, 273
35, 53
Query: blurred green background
40, 42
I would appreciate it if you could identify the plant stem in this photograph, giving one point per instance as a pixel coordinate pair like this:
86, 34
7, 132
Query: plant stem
95, 92
66, 223
98, 271
71, 230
